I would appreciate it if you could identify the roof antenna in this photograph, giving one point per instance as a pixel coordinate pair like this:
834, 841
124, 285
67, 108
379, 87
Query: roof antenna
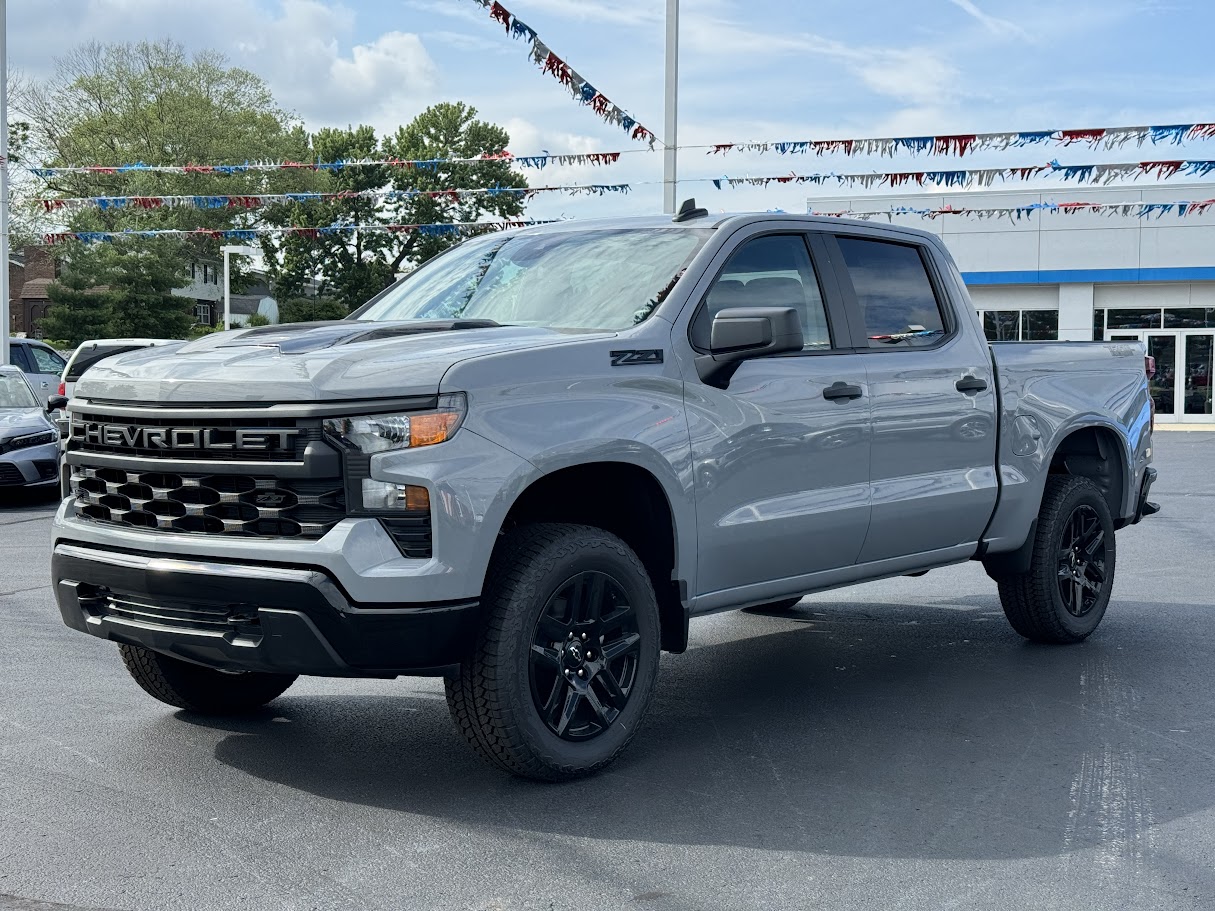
688, 211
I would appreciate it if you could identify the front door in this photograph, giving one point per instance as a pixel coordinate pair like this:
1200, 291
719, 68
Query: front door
780, 459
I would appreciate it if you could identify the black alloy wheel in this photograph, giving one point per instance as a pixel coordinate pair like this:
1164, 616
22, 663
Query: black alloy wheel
566, 660
584, 658
1063, 594
1082, 561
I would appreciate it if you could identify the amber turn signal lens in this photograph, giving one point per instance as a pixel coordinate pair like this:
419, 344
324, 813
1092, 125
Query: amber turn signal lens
428, 429
417, 499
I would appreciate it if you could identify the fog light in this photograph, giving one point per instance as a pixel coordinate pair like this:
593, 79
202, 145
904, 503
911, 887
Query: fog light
384, 495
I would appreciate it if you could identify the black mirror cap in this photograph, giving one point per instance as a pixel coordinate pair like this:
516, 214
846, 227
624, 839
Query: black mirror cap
56, 403
742, 333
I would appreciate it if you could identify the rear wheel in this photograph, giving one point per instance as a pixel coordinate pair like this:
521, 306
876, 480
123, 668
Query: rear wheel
567, 657
200, 689
1064, 595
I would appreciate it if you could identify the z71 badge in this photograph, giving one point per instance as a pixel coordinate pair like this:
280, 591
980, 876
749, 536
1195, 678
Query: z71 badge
636, 358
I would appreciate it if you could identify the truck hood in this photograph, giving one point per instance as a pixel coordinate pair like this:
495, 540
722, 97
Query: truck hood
308, 362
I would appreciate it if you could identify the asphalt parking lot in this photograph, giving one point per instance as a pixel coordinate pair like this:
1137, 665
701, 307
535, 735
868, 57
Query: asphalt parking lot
890, 746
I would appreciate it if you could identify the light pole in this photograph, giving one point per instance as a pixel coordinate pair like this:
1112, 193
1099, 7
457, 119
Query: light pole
227, 250
5, 291
670, 153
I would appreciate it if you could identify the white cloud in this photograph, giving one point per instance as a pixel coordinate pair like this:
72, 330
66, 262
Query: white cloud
993, 24
304, 49
915, 75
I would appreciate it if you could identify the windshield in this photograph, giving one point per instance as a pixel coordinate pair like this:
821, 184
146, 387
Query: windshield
600, 279
15, 392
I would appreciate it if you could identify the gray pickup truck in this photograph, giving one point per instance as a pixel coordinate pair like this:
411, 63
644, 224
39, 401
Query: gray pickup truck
530, 463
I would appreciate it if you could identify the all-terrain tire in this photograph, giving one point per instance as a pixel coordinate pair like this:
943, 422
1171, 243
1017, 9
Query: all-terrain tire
190, 686
496, 699
774, 607
1034, 602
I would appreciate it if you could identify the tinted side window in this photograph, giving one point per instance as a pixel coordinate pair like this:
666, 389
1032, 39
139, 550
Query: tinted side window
772, 271
46, 361
893, 292
16, 354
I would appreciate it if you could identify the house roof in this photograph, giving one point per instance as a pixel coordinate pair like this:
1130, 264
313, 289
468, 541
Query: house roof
35, 289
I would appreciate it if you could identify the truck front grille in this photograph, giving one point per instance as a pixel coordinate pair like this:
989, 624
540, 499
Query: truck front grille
220, 504
192, 439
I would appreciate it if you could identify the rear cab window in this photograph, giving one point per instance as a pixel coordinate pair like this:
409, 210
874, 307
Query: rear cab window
82, 360
895, 294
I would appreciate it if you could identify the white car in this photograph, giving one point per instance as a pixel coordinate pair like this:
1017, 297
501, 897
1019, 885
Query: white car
89, 353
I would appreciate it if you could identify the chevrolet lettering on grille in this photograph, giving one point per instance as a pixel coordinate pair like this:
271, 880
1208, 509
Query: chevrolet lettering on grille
126, 436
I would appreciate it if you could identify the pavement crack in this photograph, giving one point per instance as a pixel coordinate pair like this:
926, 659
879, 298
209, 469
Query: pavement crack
22, 591
30, 519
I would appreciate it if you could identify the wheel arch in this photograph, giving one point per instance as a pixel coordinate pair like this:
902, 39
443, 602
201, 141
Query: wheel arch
1094, 449
628, 500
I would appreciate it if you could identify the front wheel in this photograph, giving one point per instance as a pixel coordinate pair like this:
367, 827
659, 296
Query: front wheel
567, 656
200, 689
1063, 596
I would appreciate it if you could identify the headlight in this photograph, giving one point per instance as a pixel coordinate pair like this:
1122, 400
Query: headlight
388, 432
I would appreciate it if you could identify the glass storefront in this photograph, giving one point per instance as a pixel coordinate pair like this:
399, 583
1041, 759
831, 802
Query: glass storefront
1020, 325
1155, 318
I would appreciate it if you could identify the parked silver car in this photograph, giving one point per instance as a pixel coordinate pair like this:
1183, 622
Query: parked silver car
29, 442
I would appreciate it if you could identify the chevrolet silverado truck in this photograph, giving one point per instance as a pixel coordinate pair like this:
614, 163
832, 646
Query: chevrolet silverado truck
527, 466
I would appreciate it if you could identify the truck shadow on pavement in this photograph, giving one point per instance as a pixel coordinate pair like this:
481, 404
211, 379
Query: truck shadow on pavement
851, 729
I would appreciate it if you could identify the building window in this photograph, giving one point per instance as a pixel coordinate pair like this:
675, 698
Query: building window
1040, 326
202, 314
193, 271
1190, 318
1020, 325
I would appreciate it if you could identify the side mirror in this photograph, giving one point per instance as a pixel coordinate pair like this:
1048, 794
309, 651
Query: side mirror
56, 403
742, 333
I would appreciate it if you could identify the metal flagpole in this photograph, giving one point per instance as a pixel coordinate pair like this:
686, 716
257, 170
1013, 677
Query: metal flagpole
4, 188
671, 153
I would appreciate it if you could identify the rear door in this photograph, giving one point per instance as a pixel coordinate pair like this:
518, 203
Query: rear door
932, 394
781, 469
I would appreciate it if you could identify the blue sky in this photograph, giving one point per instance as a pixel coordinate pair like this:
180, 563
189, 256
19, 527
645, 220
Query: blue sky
750, 70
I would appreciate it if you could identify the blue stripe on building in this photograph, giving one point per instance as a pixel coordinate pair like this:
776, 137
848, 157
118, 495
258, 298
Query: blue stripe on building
1091, 276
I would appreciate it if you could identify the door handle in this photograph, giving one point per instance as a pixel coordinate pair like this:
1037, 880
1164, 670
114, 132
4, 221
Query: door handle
971, 384
844, 391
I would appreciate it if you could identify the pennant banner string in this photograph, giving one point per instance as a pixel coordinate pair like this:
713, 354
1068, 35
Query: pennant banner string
257, 201
981, 177
251, 234
1138, 209
960, 144
1099, 174
1106, 137
550, 64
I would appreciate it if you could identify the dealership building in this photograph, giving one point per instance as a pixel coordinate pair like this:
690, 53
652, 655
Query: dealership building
1084, 275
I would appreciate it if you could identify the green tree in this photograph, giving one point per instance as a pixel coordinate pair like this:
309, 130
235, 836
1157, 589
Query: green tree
311, 310
153, 103
358, 265
119, 290
81, 309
